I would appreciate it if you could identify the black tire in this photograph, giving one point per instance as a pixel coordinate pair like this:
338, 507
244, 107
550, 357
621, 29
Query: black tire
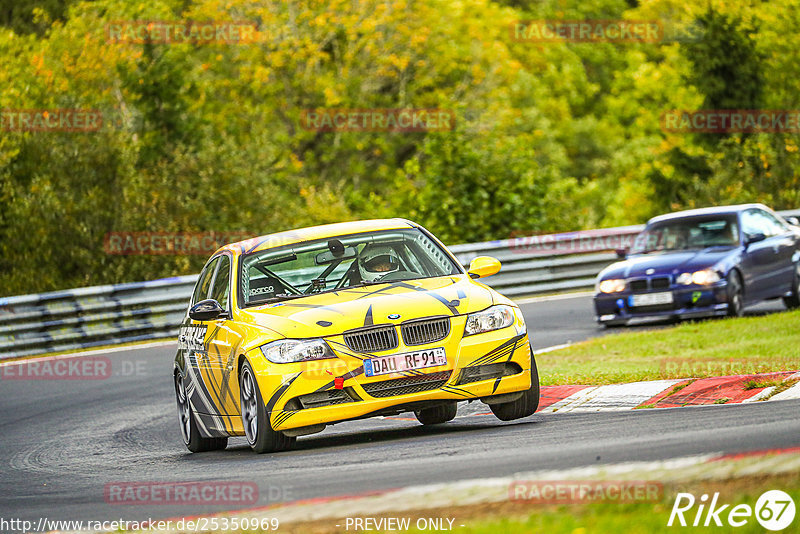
437, 414
189, 431
258, 431
735, 295
523, 406
793, 301
614, 324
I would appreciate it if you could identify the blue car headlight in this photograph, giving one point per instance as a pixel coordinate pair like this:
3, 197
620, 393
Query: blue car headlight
296, 350
493, 318
700, 278
615, 285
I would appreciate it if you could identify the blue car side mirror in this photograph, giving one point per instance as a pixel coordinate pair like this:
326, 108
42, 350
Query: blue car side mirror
754, 238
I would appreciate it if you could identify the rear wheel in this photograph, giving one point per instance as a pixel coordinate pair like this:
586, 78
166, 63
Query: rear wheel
793, 301
189, 431
735, 295
437, 415
260, 435
523, 406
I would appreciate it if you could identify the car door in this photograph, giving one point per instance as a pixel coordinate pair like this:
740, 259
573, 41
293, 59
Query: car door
783, 240
192, 344
222, 340
762, 259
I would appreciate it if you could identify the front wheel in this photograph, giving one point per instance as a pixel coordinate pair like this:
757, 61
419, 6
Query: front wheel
793, 300
189, 431
523, 406
735, 295
437, 414
260, 435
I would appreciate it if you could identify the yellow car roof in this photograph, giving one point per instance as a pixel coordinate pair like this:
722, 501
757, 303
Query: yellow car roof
299, 235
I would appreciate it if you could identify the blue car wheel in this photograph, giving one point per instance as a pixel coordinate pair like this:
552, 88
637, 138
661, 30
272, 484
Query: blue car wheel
735, 295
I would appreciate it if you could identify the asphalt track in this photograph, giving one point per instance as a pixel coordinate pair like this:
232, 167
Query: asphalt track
62, 441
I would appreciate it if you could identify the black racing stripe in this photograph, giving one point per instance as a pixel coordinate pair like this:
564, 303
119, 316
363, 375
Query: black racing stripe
444, 301
344, 349
218, 394
279, 392
368, 318
496, 384
456, 391
283, 417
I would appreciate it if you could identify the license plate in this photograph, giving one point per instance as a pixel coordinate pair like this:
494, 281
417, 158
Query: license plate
419, 359
651, 299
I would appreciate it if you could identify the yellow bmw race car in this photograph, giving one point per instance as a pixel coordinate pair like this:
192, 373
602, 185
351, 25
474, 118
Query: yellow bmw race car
293, 331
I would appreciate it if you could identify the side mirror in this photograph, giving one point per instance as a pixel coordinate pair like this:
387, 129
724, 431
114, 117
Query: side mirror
207, 310
622, 253
754, 238
483, 266
793, 221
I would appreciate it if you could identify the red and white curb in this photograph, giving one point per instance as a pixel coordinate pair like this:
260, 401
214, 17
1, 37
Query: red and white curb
674, 393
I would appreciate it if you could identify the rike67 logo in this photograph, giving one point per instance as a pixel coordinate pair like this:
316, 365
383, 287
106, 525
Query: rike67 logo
774, 510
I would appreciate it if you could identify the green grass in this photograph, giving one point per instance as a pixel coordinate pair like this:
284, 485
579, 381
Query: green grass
689, 350
756, 384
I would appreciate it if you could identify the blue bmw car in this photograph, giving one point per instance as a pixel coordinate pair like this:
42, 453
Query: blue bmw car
702, 263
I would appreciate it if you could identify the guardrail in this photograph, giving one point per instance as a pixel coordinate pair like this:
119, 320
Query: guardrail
122, 313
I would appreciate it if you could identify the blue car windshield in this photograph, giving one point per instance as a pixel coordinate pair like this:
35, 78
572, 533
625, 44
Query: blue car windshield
687, 234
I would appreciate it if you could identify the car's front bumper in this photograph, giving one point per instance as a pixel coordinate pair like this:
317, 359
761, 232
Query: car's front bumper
688, 302
330, 391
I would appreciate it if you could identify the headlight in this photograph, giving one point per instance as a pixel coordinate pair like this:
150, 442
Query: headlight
615, 285
296, 350
701, 278
494, 318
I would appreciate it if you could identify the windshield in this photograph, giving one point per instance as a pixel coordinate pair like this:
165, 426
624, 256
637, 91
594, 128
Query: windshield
685, 234
346, 261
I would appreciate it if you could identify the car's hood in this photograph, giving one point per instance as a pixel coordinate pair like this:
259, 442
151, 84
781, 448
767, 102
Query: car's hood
667, 262
332, 313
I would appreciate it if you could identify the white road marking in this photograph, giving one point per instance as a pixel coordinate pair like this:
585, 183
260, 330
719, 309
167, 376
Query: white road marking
763, 394
613, 397
791, 393
561, 296
551, 349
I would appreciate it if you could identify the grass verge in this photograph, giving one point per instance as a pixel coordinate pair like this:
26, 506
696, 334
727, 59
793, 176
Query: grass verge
690, 350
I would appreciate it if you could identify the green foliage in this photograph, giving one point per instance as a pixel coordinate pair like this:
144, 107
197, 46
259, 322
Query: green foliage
207, 137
